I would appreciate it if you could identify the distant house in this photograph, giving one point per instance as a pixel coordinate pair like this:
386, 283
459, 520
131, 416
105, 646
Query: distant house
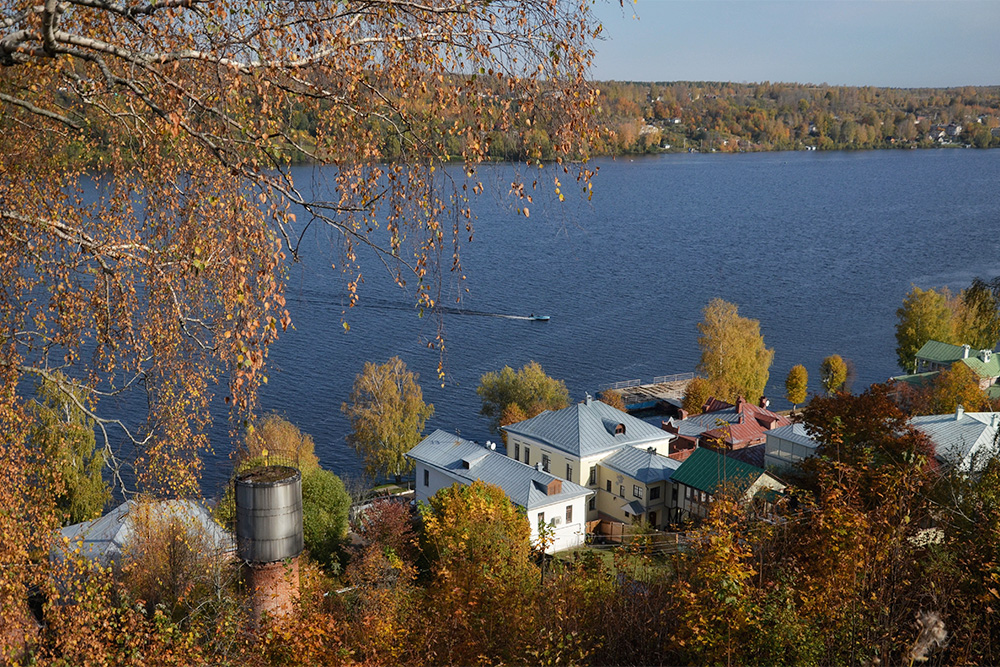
787, 445
935, 356
572, 442
701, 475
963, 440
106, 539
443, 459
724, 425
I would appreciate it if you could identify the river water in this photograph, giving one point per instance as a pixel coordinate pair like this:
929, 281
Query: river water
820, 247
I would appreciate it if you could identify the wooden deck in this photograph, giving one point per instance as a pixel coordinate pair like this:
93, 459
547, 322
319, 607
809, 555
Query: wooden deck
637, 395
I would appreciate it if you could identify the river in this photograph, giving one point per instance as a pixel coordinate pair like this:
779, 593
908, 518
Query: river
820, 247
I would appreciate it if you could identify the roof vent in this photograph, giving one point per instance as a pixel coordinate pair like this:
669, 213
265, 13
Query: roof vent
538, 466
588, 399
985, 355
965, 351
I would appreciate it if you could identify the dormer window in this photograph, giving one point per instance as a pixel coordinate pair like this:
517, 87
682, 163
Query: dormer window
620, 429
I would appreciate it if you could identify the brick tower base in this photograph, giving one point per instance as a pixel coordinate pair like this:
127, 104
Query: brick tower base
274, 588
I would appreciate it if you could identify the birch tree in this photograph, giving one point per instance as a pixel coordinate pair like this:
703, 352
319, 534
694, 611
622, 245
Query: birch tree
734, 359
387, 415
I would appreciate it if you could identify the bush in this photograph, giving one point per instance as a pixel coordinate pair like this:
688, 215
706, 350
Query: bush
325, 504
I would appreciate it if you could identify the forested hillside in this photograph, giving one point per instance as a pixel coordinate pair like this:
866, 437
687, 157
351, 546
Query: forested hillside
788, 116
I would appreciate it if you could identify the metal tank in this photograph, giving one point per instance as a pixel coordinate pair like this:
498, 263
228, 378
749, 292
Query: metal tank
269, 514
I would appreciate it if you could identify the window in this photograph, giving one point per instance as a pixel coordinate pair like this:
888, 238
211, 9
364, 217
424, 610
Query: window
527, 455
688, 495
636, 491
609, 486
517, 451
593, 476
541, 519
545, 462
673, 494
626, 515
621, 490
569, 514
654, 493
592, 505
427, 478
569, 472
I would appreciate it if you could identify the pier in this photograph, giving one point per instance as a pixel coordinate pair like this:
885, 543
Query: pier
667, 389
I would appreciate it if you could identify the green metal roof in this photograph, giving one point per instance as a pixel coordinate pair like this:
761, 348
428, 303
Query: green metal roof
917, 379
942, 353
985, 369
706, 470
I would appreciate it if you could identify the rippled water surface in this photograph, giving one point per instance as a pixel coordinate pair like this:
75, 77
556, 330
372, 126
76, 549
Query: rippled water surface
820, 247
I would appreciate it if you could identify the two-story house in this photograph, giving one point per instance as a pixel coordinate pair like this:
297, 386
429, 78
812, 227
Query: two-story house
572, 442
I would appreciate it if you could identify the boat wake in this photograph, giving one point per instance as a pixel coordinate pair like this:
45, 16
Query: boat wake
314, 298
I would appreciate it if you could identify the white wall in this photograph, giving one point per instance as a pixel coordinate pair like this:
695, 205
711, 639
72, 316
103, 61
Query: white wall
567, 535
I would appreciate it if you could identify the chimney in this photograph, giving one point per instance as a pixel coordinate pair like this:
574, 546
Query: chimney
588, 399
538, 466
959, 412
683, 414
965, 351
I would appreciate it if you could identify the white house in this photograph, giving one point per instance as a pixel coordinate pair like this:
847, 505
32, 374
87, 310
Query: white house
443, 459
962, 439
572, 442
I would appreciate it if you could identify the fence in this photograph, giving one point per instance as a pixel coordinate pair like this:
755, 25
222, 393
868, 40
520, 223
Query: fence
624, 384
613, 533
676, 377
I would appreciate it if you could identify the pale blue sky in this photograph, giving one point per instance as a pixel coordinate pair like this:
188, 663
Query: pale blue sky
893, 43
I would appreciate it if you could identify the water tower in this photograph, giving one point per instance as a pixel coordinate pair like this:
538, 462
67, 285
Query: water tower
269, 536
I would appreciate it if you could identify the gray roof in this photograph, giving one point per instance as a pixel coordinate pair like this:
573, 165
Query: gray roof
465, 462
104, 539
587, 428
793, 433
634, 507
642, 465
956, 439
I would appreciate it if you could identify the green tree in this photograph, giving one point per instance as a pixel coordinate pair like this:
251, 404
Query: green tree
70, 466
734, 358
387, 414
325, 506
530, 389
833, 373
698, 391
977, 322
925, 315
797, 385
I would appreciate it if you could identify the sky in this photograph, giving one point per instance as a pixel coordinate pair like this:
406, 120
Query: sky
886, 43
